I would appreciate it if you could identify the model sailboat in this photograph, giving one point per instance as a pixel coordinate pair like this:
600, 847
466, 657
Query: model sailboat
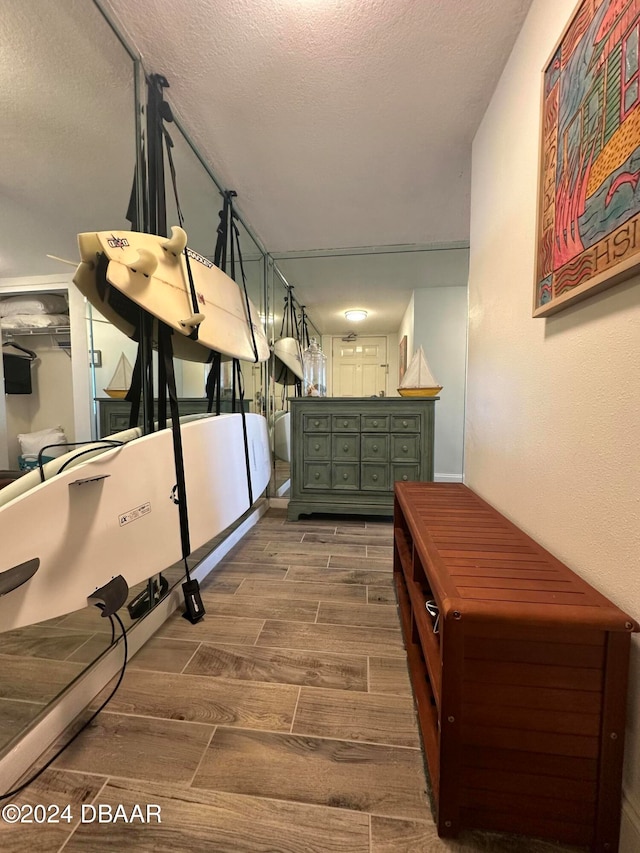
121, 379
418, 380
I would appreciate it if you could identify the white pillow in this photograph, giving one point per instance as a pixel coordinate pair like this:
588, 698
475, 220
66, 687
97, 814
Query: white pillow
41, 303
32, 442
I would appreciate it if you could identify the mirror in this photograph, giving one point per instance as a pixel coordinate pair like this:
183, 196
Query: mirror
68, 102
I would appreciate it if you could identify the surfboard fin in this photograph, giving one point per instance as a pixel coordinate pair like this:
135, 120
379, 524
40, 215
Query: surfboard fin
110, 597
13, 578
192, 321
143, 261
177, 243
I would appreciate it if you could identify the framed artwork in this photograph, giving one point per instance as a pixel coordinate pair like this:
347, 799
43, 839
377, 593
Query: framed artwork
588, 233
402, 360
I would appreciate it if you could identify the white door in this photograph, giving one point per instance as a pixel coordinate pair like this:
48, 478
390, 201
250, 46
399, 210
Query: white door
359, 367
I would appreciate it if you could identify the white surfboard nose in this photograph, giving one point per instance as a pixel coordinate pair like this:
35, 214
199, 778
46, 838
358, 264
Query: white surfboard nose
177, 243
88, 246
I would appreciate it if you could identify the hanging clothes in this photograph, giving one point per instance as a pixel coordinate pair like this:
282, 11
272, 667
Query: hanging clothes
16, 363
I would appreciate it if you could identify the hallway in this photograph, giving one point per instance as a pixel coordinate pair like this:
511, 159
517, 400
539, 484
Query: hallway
284, 721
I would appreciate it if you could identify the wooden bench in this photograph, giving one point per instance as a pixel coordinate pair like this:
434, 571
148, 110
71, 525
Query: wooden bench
519, 670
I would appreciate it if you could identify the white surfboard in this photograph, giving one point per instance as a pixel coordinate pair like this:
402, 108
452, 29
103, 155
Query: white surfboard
152, 272
115, 515
287, 358
282, 436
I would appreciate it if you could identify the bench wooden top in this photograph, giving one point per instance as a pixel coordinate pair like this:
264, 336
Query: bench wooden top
482, 566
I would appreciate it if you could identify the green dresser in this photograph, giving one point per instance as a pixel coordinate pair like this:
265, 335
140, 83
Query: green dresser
347, 452
113, 415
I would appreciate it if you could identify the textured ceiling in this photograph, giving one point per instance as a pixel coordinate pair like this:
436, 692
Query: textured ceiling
339, 122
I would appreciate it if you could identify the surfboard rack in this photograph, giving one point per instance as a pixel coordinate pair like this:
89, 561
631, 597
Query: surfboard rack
110, 597
13, 578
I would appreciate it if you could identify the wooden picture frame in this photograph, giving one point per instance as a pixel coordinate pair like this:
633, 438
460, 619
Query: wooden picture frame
402, 358
588, 229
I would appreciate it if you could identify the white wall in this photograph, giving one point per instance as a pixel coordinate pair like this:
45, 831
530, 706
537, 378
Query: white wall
552, 405
440, 327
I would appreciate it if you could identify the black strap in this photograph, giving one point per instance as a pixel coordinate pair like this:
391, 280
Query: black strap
165, 354
238, 387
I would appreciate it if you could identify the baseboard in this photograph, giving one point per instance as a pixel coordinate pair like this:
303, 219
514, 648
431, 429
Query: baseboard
629, 828
279, 503
19, 755
447, 478
283, 489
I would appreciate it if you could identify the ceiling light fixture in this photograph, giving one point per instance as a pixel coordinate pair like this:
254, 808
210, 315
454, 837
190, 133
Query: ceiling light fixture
355, 315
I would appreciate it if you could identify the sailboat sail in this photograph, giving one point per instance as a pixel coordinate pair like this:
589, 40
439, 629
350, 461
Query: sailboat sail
418, 379
121, 379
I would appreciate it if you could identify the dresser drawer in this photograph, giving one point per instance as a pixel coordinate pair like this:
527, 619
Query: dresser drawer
345, 423
316, 423
405, 473
405, 448
345, 476
375, 447
317, 446
345, 447
406, 423
317, 475
377, 423
374, 477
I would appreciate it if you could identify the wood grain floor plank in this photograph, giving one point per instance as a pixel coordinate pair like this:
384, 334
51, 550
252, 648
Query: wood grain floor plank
389, 675
234, 573
213, 822
380, 551
362, 777
382, 616
381, 595
163, 654
54, 642
331, 638
219, 629
358, 576
213, 701
16, 716
53, 788
360, 538
273, 557
372, 717
259, 608
370, 564
35, 679
138, 748
92, 649
291, 590
315, 548
389, 835
251, 663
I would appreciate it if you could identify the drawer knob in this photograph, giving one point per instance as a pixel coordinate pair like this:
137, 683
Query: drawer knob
375, 477
345, 476
316, 423
405, 423
405, 449
375, 423
345, 447
345, 423
375, 448
404, 477
317, 446
317, 476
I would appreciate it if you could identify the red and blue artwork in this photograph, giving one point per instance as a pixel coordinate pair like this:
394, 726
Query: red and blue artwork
589, 216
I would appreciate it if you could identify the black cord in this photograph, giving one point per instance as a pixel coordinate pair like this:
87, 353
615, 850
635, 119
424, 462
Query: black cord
26, 784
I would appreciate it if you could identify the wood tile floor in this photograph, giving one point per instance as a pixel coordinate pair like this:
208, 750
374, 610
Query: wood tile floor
282, 722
